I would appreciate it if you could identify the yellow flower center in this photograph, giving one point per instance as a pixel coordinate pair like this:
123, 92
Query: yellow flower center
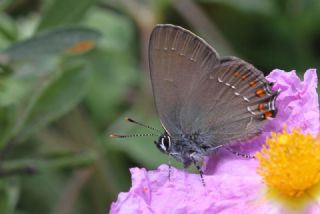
290, 162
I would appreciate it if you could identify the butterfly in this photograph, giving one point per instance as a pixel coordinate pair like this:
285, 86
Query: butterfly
204, 102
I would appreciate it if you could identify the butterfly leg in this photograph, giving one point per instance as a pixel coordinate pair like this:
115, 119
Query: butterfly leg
201, 174
169, 170
240, 154
197, 165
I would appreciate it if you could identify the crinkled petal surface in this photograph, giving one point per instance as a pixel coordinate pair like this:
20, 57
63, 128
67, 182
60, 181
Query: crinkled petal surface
153, 192
226, 192
232, 184
298, 102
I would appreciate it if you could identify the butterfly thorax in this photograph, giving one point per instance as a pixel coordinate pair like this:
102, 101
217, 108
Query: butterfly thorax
187, 148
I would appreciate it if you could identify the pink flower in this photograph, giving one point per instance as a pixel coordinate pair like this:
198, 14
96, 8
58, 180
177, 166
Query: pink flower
232, 183
298, 101
153, 192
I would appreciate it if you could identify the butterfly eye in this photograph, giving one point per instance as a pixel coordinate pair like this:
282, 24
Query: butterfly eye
165, 143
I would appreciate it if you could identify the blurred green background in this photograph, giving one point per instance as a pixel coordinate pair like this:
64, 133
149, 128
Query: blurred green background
71, 70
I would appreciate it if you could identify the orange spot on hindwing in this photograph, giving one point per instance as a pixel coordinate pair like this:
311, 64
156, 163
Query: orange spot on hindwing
268, 114
260, 92
237, 74
244, 77
253, 83
261, 107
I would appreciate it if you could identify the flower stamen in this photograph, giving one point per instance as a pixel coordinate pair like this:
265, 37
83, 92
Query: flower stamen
290, 162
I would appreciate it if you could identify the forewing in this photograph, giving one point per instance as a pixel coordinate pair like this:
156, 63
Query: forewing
229, 104
177, 59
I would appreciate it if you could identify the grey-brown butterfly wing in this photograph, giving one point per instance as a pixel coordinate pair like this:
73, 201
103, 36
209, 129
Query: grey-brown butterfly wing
197, 94
177, 61
229, 104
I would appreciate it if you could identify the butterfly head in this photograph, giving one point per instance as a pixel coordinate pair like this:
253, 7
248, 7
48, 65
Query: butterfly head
184, 148
164, 143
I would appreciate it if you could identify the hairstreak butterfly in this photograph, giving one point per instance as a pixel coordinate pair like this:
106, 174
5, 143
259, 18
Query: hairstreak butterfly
204, 102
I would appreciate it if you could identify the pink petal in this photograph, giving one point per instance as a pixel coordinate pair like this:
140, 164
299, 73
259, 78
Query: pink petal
226, 192
153, 192
298, 104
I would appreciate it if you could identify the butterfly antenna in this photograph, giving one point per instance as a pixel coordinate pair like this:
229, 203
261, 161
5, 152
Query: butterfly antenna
132, 135
141, 124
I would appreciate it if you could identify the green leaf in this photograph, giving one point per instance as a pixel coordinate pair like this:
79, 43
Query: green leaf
70, 161
8, 31
4, 4
57, 99
113, 78
9, 194
64, 12
6, 124
60, 40
11, 91
261, 6
4, 198
119, 34
118, 74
